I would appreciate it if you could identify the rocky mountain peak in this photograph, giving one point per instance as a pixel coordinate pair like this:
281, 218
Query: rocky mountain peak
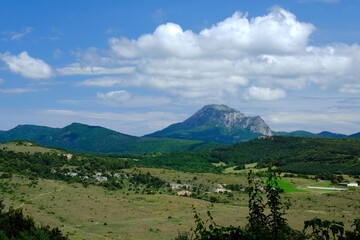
228, 118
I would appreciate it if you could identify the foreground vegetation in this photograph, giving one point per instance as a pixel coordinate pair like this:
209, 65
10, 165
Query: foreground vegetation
270, 225
14, 225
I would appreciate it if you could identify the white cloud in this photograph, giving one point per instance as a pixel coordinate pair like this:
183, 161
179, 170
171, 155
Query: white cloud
114, 97
103, 82
343, 121
233, 37
17, 90
15, 36
270, 52
23, 33
77, 69
264, 94
27, 66
123, 97
350, 88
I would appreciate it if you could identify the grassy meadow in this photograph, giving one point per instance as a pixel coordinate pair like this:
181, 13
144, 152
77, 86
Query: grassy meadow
97, 213
27, 147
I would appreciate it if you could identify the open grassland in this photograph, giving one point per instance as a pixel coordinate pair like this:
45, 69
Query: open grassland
26, 147
96, 213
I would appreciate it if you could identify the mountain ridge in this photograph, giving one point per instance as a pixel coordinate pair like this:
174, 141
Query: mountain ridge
210, 126
85, 138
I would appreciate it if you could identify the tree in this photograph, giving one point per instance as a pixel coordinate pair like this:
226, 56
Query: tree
14, 225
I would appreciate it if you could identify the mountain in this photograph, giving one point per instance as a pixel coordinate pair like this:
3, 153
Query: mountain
301, 133
217, 123
298, 133
355, 135
85, 138
331, 135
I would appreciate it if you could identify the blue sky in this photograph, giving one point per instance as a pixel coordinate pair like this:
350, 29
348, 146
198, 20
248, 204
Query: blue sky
138, 66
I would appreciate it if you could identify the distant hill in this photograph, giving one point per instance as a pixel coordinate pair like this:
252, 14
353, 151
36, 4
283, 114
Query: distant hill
298, 133
331, 135
85, 138
355, 135
217, 123
301, 133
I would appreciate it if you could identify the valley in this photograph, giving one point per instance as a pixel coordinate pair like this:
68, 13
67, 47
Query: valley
129, 201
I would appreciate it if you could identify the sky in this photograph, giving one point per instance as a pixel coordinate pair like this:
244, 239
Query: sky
138, 66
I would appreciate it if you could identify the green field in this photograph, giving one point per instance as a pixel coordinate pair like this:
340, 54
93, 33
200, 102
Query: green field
288, 187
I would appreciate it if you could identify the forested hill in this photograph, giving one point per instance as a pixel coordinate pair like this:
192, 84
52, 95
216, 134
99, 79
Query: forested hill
308, 155
296, 154
84, 138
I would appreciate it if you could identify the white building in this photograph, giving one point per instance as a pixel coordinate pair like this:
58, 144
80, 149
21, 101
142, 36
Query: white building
352, 184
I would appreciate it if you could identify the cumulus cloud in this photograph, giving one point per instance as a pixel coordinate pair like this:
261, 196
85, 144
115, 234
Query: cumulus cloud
233, 37
264, 94
27, 66
271, 52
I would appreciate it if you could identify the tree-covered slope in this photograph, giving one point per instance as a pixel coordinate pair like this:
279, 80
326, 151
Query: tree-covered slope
308, 155
297, 154
84, 138
355, 135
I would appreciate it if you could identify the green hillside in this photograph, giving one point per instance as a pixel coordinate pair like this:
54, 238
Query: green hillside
355, 135
27, 147
296, 154
209, 133
308, 155
83, 138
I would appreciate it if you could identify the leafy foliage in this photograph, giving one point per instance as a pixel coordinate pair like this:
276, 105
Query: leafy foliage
266, 220
182, 161
14, 225
86, 169
306, 155
302, 155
